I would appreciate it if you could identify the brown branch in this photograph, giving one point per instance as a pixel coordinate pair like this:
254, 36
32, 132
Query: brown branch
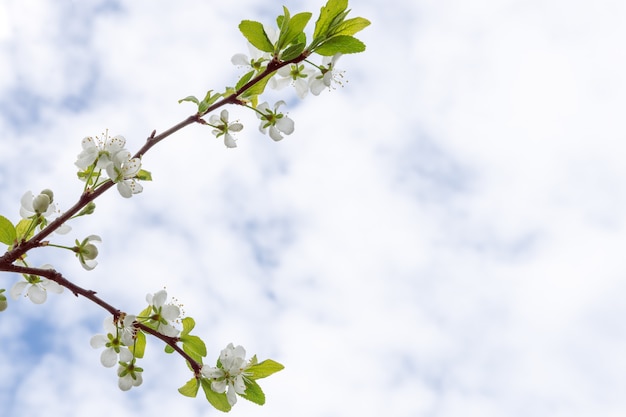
57, 277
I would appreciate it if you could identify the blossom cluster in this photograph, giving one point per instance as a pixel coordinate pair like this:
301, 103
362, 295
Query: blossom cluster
111, 156
303, 78
123, 343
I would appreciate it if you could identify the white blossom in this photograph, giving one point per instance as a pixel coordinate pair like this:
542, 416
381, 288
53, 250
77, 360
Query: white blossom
115, 341
163, 314
295, 74
222, 127
274, 122
327, 75
229, 374
36, 287
122, 170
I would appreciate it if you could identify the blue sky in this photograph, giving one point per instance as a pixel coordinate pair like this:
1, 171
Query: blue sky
441, 236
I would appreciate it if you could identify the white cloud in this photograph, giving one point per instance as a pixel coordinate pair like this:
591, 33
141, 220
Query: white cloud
441, 236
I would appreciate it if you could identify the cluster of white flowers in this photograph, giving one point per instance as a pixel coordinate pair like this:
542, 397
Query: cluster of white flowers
303, 78
230, 372
116, 341
109, 154
307, 79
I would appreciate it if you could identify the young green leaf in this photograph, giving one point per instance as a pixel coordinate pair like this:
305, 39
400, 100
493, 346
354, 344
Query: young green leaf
255, 34
340, 44
257, 88
244, 79
7, 231
190, 389
208, 100
327, 16
253, 392
351, 26
23, 227
139, 348
264, 369
217, 400
144, 175
193, 99
292, 52
294, 28
188, 325
193, 345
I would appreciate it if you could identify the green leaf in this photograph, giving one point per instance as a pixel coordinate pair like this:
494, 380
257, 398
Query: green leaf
294, 28
169, 349
217, 400
264, 369
144, 175
257, 88
7, 231
208, 100
193, 345
328, 15
292, 52
351, 26
255, 34
244, 79
146, 312
190, 389
139, 348
188, 325
22, 227
340, 44
193, 99
253, 392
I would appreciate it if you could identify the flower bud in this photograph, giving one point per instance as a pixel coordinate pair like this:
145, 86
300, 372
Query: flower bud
89, 252
41, 203
49, 193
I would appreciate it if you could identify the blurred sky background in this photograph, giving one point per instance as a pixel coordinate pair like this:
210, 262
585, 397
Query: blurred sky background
441, 237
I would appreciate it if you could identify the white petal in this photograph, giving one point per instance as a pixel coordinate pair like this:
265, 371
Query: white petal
18, 288
125, 355
285, 125
218, 386
98, 341
235, 127
170, 312
63, 229
211, 372
27, 201
317, 86
240, 59
108, 358
37, 294
231, 396
51, 286
158, 299
261, 107
124, 189
125, 383
229, 141
275, 134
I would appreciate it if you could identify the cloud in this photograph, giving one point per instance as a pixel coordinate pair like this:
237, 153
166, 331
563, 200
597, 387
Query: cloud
439, 236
